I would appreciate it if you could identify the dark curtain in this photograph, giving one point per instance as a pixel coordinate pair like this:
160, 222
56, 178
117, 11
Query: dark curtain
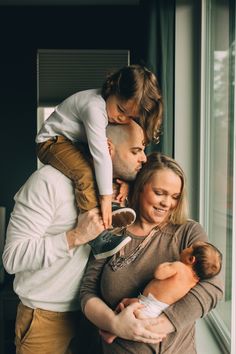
158, 52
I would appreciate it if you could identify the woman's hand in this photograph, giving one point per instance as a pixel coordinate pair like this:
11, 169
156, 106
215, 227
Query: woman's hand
161, 324
127, 326
125, 302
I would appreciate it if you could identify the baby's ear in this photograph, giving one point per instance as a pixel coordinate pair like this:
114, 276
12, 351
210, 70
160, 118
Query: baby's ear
191, 259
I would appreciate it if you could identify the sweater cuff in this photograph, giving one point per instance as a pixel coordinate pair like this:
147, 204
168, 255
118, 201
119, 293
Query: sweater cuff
85, 299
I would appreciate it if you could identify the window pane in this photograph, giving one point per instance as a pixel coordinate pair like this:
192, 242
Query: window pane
220, 137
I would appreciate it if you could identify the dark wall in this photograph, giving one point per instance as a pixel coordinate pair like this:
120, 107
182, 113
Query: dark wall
24, 30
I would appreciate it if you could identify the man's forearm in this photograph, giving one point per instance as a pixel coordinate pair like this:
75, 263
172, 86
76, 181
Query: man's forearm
29, 254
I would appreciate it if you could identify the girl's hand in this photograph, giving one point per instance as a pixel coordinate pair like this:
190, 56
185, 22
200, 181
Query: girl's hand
106, 210
123, 191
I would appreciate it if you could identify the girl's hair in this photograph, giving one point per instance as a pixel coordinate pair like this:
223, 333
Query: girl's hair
156, 162
136, 82
208, 260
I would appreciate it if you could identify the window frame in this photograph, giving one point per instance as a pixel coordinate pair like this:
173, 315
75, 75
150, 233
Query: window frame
225, 338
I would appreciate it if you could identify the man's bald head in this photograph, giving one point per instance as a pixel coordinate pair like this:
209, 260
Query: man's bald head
118, 133
126, 144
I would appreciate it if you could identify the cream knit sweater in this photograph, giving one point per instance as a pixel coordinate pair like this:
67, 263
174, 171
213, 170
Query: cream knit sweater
47, 274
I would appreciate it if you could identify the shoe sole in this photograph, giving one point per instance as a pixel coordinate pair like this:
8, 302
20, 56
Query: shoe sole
123, 217
114, 250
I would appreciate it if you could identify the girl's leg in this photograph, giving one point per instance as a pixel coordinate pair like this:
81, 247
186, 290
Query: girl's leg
65, 156
62, 154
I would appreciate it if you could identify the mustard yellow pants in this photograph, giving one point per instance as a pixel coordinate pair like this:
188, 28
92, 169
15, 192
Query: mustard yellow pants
73, 161
39, 331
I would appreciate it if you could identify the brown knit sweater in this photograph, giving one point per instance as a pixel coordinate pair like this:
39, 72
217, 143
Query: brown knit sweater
100, 280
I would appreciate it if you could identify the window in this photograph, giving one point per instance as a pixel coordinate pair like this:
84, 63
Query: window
217, 148
62, 72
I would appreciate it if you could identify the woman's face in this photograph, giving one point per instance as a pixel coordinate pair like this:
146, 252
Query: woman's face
159, 196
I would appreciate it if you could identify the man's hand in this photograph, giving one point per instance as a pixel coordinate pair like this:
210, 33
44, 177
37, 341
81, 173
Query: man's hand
89, 226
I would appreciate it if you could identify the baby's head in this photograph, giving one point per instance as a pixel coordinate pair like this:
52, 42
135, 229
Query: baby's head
205, 258
133, 93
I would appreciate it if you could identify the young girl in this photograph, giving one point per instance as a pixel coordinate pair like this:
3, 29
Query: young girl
130, 93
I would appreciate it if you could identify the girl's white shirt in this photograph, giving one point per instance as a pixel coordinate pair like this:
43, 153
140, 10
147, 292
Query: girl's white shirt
82, 117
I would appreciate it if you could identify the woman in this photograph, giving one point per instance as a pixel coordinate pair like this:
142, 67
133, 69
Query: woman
159, 234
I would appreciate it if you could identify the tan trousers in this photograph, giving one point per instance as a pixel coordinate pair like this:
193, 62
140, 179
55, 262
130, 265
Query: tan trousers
72, 160
46, 332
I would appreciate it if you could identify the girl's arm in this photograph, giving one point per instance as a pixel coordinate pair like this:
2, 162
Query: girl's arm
95, 127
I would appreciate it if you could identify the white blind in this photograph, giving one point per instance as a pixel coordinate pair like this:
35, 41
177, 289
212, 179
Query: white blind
61, 73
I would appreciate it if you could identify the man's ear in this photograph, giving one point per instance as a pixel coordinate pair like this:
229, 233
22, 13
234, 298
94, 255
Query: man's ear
110, 147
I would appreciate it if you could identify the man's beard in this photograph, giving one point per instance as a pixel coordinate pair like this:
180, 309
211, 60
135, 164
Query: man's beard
122, 170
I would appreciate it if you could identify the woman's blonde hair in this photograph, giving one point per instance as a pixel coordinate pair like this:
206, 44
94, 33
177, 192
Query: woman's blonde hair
137, 83
155, 162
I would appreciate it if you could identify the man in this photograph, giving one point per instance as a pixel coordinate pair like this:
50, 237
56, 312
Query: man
46, 248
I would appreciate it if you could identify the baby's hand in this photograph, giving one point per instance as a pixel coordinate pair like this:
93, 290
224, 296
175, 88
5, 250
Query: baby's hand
123, 191
106, 210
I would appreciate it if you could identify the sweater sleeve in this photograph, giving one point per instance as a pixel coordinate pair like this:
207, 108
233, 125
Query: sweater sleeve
196, 304
29, 246
90, 286
95, 123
